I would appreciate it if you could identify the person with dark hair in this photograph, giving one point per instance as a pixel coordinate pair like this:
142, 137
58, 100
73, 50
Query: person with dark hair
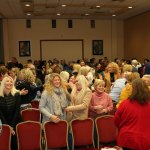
147, 68
3, 72
132, 118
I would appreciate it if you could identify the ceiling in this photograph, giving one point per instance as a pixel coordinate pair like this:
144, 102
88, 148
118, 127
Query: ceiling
74, 9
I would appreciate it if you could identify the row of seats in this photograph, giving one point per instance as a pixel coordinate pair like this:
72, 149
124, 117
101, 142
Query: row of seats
29, 134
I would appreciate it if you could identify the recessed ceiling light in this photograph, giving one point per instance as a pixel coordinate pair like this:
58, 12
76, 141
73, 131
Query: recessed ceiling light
58, 14
87, 14
28, 14
114, 15
98, 6
130, 7
27, 5
63, 5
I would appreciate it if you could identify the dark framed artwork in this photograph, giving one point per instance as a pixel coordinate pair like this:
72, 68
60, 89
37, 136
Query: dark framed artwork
24, 49
97, 47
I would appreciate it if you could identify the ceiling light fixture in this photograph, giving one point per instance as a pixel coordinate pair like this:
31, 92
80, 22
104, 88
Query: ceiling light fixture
87, 14
98, 6
28, 14
27, 5
130, 7
63, 5
114, 15
58, 14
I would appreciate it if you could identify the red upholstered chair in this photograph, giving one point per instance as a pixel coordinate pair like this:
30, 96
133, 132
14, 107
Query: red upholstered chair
35, 104
5, 138
82, 133
56, 134
106, 129
29, 135
31, 114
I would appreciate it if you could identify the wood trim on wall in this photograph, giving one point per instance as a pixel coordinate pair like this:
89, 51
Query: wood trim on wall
62, 40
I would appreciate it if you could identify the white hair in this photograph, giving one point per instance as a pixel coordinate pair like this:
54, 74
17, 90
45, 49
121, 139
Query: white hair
2, 86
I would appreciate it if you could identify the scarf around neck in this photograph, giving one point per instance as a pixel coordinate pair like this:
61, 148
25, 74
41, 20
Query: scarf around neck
59, 101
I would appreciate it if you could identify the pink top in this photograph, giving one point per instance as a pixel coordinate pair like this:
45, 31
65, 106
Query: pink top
100, 99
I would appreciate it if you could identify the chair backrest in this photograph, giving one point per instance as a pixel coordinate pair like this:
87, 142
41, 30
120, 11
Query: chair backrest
112, 112
5, 137
29, 135
56, 134
31, 114
82, 132
106, 129
35, 104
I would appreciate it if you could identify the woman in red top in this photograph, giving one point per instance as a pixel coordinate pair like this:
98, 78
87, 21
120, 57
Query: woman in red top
133, 118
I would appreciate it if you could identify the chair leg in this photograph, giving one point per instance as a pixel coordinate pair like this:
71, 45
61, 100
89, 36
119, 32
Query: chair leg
70, 141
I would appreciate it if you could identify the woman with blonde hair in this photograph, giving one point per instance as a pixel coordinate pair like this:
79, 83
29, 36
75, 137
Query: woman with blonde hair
26, 80
10, 106
76, 68
120, 83
65, 78
111, 74
87, 72
80, 99
54, 99
101, 102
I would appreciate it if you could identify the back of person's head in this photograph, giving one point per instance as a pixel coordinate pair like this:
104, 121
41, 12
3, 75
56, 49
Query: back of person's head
56, 68
83, 71
29, 61
76, 67
134, 62
65, 76
131, 77
127, 68
27, 75
140, 92
147, 68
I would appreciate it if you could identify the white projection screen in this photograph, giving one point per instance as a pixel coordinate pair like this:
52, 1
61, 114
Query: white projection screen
69, 50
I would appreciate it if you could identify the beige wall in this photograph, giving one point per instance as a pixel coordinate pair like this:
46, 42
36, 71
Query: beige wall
110, 31
137, 37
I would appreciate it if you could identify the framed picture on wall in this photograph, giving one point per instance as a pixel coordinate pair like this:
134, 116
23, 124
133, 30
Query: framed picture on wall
97, 47
24, 49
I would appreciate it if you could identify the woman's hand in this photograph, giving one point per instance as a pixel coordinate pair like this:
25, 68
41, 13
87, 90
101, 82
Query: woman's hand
12, 131
23, 92
98, 108
68, 109
101, 111
54, 119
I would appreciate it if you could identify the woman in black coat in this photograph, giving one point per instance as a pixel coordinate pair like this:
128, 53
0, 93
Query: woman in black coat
10, 106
